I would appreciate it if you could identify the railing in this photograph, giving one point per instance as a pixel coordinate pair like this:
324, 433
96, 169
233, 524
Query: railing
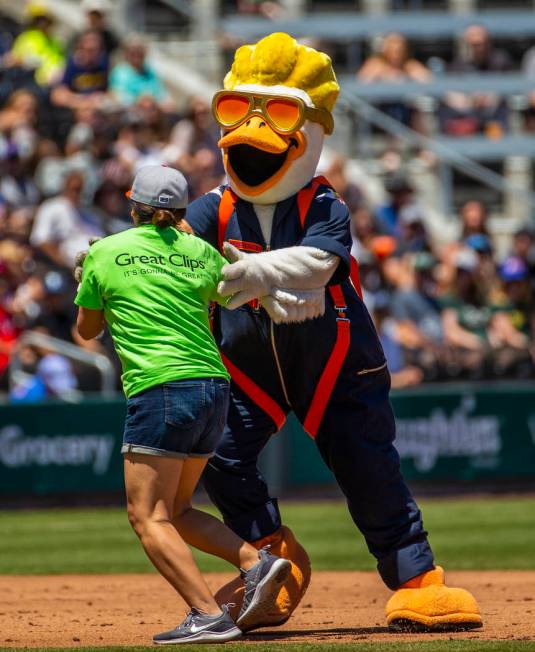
504, 85
97, 360
416, 25
182, 6
446, 150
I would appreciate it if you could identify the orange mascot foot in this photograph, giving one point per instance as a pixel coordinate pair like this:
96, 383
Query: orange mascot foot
283, 544
426, 604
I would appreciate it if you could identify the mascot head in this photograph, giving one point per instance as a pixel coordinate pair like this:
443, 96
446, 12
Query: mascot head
274, 112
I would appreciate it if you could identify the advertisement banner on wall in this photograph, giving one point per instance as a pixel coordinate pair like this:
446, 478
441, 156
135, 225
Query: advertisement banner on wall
61, 447
449, 433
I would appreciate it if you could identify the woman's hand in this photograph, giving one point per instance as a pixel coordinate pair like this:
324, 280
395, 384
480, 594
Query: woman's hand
79, 261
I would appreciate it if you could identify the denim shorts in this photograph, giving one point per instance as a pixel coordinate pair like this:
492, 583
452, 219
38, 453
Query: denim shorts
180, 419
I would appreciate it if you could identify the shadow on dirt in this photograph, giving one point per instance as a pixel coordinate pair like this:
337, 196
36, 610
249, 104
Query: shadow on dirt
311, 633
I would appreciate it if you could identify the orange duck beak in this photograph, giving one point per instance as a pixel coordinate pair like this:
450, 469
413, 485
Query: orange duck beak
256, 157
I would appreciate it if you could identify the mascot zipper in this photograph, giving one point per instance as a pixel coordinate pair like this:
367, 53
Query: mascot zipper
277, 362
275, 353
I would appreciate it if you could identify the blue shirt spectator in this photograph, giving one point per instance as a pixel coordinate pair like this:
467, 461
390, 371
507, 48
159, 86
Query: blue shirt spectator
87, 69
85, 80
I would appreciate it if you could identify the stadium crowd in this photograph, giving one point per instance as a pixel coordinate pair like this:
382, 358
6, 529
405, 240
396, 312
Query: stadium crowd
78, 119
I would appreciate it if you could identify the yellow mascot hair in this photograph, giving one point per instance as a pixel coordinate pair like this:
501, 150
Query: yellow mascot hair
280, 59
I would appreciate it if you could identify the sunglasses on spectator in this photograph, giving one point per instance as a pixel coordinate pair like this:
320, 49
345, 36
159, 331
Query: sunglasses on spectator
285, 114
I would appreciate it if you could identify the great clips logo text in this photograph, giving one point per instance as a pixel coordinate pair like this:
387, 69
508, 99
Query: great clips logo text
174, 260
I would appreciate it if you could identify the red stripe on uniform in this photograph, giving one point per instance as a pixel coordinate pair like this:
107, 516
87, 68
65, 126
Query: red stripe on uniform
246, 246
332, 369
306, 196
354, 276
255, 393
226, 208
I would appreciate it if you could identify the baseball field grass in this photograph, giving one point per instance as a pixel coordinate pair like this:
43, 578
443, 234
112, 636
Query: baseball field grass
428, 646
469, 534
466, 534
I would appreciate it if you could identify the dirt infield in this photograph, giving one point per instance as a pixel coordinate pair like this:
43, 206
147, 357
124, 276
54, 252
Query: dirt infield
75, 610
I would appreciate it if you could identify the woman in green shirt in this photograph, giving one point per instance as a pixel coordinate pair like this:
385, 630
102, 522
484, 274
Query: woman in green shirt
152, 285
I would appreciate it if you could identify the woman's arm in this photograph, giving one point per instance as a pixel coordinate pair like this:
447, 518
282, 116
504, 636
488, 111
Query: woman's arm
89, 323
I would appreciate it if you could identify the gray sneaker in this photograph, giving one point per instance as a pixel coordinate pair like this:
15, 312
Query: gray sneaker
262, 584
201, 628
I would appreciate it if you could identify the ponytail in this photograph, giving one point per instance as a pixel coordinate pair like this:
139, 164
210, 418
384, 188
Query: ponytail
160, 217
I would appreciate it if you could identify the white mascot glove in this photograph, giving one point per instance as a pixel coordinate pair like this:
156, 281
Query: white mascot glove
295, 269
287, 306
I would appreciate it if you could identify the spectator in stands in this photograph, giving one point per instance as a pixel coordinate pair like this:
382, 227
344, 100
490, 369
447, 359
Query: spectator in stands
18, 121
63, 226
85, 80
8, 334
473, 219
53, 378
512, 323
194, 148
486, 268
137, 144
478, 53
363, 230
371, 281
112, 207
401, 202
336, 172
414, 298
56, 315
515, 305
413, 233
16, 184
265, 8
394, 64
37, 48
411, 309
134, 77
401, 373
96, 13
528, 68
19, 224
152, 114
523, 247
28, 388
466, 314
463, 114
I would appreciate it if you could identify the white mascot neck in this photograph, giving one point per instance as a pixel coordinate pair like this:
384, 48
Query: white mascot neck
265, 213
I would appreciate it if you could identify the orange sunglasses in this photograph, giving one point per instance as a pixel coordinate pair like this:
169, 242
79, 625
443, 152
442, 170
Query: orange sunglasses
285, 114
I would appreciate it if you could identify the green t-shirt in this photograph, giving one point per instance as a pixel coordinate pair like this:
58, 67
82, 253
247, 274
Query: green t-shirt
154, 286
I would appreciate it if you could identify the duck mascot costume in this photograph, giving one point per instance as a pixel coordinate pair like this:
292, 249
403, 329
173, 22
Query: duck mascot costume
297, 337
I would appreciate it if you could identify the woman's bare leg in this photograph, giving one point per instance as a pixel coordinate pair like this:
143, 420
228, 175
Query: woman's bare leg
152, 486
203, 531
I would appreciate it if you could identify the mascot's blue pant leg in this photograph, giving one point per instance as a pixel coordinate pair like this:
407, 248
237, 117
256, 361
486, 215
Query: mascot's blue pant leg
355, 440
232, 479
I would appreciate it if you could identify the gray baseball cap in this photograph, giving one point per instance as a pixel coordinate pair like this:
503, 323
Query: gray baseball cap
159, 186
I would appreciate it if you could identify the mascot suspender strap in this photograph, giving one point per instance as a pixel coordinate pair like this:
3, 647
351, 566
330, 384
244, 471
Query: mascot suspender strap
330, 373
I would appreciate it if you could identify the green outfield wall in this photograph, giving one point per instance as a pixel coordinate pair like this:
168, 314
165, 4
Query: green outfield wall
446, 433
